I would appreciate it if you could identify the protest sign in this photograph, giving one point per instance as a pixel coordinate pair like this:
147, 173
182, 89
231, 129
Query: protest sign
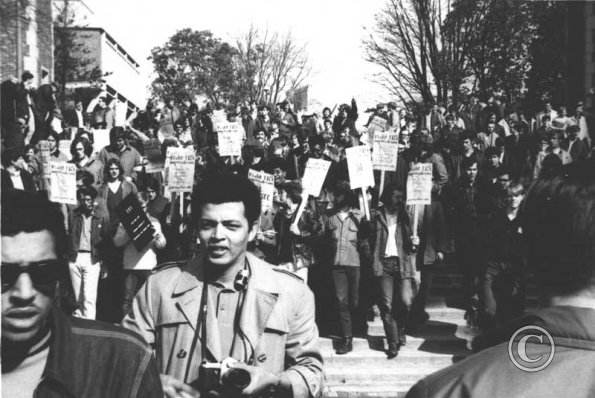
377, 124
154, 156
44, 155
384, 151
63, 183
64, 147
359, 164
314, 176
266, 184
135, 222
229, 139
179, 169
100, 139
419, 184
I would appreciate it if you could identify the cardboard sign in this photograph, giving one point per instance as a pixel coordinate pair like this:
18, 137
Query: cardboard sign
100, 139
63, 183
266, 184
377, 124
64, 147
229, 137
135, 222
152, 151
179, 169
385, 149
419, 184
314, 176
44, 156
359, 164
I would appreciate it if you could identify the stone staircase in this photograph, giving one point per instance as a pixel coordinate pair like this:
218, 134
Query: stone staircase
442, 341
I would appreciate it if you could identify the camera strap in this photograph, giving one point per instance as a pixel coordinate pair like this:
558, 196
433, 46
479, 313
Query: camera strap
202, 321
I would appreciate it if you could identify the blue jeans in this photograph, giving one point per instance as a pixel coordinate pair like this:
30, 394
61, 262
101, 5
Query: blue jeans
396, 299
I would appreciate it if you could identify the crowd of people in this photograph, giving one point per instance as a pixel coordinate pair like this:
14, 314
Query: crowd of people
484, 156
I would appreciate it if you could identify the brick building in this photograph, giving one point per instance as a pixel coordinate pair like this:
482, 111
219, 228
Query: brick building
26, 39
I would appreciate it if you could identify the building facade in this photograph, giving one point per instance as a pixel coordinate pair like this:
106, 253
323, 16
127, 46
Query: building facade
96, 59
26, 39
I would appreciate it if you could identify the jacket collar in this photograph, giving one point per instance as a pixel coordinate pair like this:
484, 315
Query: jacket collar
60, 364
261, 296
569, 327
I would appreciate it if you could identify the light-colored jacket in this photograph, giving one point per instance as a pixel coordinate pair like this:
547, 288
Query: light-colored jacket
277, 321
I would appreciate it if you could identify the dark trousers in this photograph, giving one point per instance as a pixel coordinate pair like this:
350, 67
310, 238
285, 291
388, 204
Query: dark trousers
470, 260
133, 281
397, 296
421, 297
346, 283
502, 293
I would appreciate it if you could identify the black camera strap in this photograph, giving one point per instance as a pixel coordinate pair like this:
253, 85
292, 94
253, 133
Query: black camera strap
202, 321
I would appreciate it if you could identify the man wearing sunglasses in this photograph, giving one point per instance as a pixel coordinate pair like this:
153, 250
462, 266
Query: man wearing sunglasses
44, 352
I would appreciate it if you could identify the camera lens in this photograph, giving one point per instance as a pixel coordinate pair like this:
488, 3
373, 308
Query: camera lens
238, 379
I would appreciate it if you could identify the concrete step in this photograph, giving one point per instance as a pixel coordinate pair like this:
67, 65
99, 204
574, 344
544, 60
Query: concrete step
407, 357
368, 390
378, 343
378, 375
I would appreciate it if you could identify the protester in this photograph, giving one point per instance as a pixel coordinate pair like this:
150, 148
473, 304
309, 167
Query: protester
343, 229
88, 227
560, 250
44, 352
393, 247
227, 209
138, 264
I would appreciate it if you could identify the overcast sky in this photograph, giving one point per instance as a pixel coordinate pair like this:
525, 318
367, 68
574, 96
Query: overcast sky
332, 29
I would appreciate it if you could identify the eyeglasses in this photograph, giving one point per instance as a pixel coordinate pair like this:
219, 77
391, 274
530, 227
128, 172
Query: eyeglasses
42, 274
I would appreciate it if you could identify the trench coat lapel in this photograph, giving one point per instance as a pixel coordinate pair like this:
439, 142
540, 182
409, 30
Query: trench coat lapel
188, 293
261, 297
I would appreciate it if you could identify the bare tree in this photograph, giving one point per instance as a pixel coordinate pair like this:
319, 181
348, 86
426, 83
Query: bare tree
270, 65
408, 44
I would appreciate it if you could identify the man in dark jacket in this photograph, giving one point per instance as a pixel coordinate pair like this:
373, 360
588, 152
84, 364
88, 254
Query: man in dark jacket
87, 227
521, 362
468, 206
44, 352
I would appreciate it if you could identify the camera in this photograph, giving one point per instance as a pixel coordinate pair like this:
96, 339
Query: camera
212, 375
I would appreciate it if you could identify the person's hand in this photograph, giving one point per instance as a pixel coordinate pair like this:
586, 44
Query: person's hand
157, 235
259, 236
271, 233
439, 256
415, 240
168, 219
174, 388
128, 178
294, 229
103, 273
260, 379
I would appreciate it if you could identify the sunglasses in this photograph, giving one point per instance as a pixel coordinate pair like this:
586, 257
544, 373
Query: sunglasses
42, 274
